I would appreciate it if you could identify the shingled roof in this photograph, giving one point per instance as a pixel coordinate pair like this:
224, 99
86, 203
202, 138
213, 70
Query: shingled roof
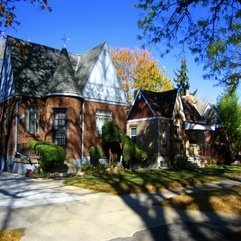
162, 104
86, 62
40, 70
150, 104
191, 113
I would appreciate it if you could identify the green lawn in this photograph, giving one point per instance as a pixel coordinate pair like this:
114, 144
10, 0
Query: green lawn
151, 180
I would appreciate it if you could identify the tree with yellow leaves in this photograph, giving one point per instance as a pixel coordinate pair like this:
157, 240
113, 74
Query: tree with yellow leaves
139, 70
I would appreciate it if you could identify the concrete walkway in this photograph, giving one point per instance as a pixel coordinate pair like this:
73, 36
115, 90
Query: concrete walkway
48, 210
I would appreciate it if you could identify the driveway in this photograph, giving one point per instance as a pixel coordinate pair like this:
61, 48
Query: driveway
17, 191
48, 210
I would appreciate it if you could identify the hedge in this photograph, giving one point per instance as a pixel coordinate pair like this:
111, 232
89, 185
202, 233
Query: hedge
50, 154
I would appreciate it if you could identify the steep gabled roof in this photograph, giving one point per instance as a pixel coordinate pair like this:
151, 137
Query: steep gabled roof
162, 103
40, 70
153, 104
33, 66
63, 80
86, 63
191, 113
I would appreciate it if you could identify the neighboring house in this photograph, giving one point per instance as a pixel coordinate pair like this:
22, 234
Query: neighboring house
52, 95
167, 126
209, 112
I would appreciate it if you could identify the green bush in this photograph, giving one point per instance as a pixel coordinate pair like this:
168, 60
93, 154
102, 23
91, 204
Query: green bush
95, 153
50, 154
111, 133
90, 168
131, 152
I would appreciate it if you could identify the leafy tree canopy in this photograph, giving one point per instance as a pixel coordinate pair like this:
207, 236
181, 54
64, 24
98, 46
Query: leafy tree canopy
8, 7
139, 70
230, 114
210, 28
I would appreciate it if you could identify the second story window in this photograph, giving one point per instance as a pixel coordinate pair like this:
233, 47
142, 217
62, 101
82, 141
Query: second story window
31, 119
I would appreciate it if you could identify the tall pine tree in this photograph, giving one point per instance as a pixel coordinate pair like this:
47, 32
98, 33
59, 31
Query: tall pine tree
182, 78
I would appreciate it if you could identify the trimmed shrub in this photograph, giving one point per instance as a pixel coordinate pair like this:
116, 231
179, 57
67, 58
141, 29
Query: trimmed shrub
131, 152
140, 154
111, 133
95, 153
50, 154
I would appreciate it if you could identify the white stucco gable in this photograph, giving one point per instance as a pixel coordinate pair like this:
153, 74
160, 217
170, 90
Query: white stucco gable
104, 83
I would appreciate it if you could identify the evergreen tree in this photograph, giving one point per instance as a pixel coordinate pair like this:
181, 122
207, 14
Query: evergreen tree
182, 78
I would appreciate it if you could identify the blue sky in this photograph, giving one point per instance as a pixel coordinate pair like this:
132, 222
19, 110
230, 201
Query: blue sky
89, 23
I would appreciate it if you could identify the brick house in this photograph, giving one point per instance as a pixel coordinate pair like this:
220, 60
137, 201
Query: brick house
52, 95
168, 127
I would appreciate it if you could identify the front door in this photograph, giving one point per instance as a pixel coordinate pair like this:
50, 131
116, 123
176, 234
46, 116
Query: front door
60, 127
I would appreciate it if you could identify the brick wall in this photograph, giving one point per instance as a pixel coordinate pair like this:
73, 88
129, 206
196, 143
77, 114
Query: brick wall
72, 105
46, 107
91, 137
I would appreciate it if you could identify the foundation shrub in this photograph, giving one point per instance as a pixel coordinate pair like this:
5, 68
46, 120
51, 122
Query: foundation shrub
95, 153
50, 154
131, 152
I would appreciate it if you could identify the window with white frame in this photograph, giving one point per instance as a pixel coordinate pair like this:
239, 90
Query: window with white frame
102, 116
133, 133
31, 119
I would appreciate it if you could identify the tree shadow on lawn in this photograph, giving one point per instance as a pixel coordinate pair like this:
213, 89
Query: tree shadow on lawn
154, 216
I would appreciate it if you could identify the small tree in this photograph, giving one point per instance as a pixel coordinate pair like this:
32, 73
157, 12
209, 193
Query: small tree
131, 152
230, 114
112, 137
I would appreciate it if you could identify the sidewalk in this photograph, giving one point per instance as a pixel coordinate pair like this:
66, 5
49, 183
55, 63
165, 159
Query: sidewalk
68, 213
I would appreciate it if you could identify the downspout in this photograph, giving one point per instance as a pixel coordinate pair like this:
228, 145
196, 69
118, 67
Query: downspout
158, 144
16, 125
83, 131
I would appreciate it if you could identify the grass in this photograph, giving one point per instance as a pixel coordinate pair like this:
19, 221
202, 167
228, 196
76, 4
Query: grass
11, 235
151, 180
218, 200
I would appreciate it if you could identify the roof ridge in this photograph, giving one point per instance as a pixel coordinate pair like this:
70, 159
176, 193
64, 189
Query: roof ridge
30, 42
92, 49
